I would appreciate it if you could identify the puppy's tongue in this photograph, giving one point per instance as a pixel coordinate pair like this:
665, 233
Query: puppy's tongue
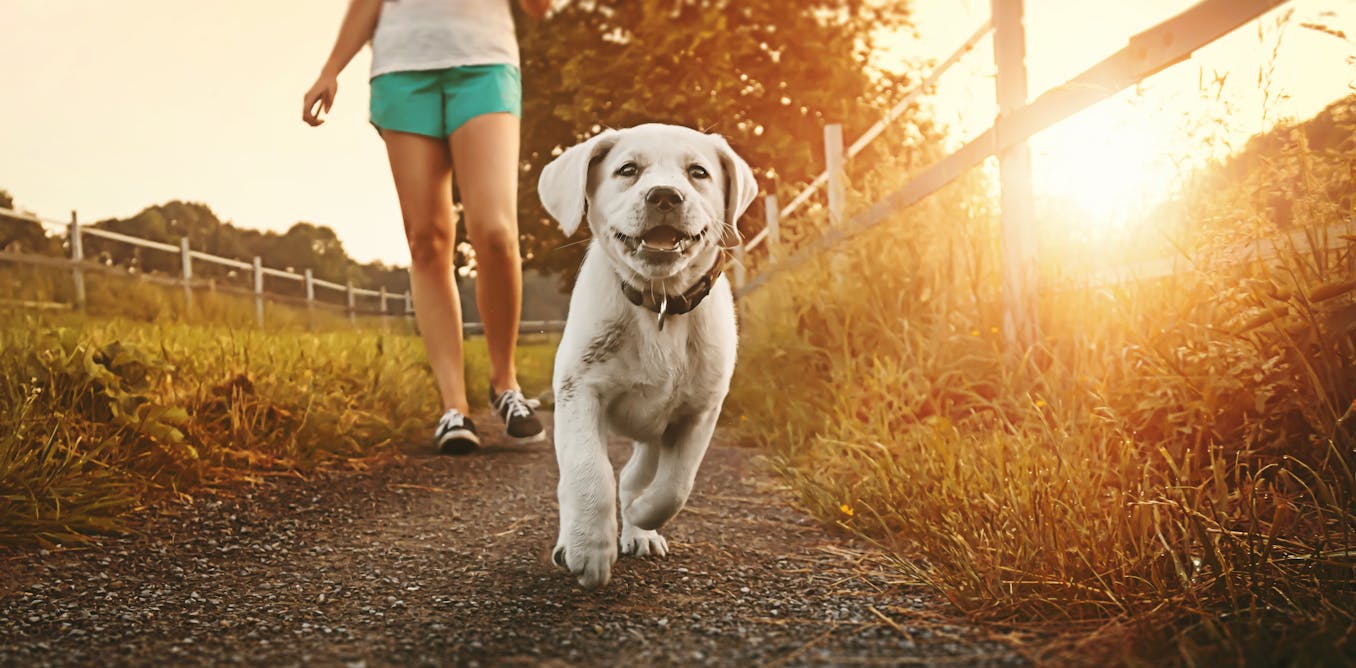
662, 238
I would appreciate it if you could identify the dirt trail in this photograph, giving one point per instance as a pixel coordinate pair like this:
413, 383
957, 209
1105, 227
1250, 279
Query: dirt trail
436, 560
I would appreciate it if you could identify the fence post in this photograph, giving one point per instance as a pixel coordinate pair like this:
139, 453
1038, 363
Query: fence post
77, 257
352, 303
1014, 169
259, 290
833, 159
381, 294
186, 258
740, 272
772, 217
310, 290
409, 304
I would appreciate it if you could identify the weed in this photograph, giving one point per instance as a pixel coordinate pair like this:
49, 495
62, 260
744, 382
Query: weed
1172, 454
99, 415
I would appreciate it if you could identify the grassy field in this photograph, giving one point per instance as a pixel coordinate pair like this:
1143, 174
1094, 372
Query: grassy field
100, 415
1166, 475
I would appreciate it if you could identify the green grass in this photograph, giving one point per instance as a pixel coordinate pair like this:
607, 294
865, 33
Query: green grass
99, 415
1167, 472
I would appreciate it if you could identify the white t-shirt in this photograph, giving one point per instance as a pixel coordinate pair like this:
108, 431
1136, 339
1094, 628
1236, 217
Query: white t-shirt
438, 34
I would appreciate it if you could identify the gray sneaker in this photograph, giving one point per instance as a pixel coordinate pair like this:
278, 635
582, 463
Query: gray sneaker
520, 422
456, 434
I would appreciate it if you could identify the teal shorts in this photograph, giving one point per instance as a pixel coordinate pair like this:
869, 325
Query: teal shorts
435, 103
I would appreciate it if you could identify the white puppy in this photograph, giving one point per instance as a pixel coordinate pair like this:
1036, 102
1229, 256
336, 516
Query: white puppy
649, 345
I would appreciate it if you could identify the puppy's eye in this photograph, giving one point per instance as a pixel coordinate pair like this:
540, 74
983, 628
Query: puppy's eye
698, 172
628, 170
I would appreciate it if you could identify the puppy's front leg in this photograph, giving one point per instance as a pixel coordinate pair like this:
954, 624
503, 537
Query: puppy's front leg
587, 544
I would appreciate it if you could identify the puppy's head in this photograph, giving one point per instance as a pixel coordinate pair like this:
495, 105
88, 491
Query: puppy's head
657, 197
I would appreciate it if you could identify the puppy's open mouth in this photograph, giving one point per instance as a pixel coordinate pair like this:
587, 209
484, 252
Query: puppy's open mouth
660, 239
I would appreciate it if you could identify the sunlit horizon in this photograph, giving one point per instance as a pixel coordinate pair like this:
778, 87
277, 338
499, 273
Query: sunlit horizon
180, 104
1118, 160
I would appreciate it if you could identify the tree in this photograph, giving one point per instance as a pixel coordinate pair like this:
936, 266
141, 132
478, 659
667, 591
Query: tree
23, 235
310, 246
166, 223
766, 74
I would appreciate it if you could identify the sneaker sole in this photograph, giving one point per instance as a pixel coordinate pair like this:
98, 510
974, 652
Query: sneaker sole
458, 442
525, 440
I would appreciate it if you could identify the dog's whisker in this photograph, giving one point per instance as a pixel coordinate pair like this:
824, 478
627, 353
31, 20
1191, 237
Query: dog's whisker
572, 243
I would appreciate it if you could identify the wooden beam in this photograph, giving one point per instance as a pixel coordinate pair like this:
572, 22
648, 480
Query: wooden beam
1145, 54
77, 257
772, 226
1014, 177
833, 166
351, 299
875, 130
1179, 37
259, 290
186, 262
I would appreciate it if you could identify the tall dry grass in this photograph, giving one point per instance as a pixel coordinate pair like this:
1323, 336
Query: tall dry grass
100, 415
1168, 469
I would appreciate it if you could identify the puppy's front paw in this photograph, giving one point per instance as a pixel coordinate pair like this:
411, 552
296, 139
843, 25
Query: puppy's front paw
589, 561
643, 543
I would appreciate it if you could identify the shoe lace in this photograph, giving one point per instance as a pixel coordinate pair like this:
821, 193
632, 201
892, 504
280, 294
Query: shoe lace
452, 418
513, 404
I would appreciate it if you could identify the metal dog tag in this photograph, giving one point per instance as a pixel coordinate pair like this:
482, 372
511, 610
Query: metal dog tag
663, 311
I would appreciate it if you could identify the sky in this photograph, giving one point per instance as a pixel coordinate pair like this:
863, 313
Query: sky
1119, 157
113, 106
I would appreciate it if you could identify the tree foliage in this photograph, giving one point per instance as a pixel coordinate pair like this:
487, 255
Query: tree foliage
20, 234
766, 74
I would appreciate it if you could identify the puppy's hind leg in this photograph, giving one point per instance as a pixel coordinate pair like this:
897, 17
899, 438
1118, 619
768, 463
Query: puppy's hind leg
635, 477
685, 444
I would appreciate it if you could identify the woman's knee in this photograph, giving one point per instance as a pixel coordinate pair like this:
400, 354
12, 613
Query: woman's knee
430, 245
497, 238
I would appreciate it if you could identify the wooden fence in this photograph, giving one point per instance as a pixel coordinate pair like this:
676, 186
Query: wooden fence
80, 266
355, 300
1146, 53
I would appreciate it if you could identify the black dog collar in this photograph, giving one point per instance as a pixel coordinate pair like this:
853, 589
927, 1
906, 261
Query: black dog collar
667, 305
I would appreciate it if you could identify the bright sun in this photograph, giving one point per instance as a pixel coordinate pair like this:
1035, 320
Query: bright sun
1108, 166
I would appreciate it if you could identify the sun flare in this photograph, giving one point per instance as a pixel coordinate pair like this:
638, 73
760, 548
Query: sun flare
1107, 167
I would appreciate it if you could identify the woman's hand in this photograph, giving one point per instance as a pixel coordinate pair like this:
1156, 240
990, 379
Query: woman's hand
360, 21
535, 8
319, 99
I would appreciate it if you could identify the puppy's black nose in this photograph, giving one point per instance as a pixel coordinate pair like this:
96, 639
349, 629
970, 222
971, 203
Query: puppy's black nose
664, 198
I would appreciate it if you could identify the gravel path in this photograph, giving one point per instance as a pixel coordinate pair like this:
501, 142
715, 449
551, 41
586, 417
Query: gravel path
434, 560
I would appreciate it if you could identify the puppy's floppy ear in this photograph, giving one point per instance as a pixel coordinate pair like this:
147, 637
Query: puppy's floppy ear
564, 181
740, 186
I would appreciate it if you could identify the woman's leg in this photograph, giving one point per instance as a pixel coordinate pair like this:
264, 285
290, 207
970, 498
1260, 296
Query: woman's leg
485, 151
423, 178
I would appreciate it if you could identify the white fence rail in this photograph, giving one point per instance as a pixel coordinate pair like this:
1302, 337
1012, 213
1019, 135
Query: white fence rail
75, 234
1144, 54
774, 214
79, 265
